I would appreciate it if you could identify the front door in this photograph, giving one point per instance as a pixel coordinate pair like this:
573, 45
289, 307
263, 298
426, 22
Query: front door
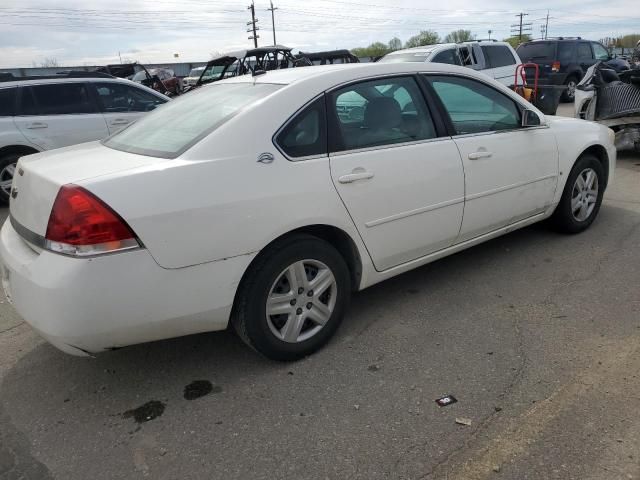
400, 179
511, 173
123, 104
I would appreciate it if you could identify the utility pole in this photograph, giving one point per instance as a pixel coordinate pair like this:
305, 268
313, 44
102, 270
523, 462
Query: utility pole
254, 28
542, 32
546, 26
490, 32
521, 28
273, 21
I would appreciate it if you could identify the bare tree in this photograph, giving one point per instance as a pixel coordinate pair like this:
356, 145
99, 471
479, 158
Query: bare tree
49, 62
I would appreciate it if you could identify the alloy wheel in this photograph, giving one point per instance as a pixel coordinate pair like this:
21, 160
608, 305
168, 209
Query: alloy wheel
6, 178
584, 194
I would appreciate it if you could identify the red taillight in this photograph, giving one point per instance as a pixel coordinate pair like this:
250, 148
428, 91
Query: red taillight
555, 66
82, 224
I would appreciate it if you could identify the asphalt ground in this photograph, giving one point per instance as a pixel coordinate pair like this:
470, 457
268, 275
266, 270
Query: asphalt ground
536, 335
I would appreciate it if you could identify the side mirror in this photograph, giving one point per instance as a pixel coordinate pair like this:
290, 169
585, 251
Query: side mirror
530, 119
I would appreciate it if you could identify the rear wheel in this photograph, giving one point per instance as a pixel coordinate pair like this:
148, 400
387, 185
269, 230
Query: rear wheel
293, 299
569, 94
7, 171
582, 196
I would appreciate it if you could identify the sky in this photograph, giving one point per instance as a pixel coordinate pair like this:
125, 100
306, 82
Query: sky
96, 32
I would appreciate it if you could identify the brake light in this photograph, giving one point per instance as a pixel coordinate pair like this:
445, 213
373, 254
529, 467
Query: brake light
81, 224
555, 66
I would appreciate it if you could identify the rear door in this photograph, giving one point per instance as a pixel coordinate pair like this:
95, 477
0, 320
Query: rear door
59, 114
500, 63
122, 104
399, 176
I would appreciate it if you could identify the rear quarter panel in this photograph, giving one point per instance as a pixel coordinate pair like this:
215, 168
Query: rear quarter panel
217, 201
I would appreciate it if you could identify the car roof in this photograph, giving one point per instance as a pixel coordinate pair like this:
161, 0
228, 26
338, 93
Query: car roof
437, 46
336, 74
56, 81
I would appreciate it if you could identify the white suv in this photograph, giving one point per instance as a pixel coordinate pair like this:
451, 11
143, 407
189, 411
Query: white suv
43, 113
495, 59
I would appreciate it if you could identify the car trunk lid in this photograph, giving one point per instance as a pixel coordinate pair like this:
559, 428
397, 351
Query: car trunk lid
39, 177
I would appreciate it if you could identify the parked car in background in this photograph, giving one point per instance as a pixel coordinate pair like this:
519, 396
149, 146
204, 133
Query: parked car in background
43, 113
193, 77
287, 206
331, 57
168, 82
243, 62
496, 59
563, 60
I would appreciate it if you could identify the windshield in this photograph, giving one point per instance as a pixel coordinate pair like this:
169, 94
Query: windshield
178, 125
141, 75
406, 57
532, 51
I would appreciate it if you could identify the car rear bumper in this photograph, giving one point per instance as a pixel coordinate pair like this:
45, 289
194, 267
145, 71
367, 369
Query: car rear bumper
85, 306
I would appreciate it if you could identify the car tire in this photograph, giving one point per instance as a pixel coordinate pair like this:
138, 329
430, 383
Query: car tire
579, 205
296, 332
7, 170
569, 95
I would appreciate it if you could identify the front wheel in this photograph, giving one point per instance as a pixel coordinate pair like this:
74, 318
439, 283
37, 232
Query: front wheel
582, 196
293, 299
569, 95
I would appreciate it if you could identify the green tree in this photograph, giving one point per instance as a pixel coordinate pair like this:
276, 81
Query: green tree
425, 37
395, 44
373, 51
459, 36
628, 41
515, 40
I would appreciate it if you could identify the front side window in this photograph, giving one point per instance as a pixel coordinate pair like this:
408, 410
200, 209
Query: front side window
584, 51
171, 130
57, 99
116, 97
600, 52
306, 133
449, 56
7, 101
379, 112
475, 107
497, 56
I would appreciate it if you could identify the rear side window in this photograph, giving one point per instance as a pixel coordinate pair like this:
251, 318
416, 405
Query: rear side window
447, 56
378, 112
7, 101
600, 52
584, 51
566, 52
57, 99
306, 133
537, 51
117, 98
171, 130
498, 56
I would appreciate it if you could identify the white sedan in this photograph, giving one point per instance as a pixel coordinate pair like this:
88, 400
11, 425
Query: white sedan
289, 190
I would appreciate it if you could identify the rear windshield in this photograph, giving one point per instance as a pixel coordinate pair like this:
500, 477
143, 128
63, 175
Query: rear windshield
536, 50
406, 57
178, 125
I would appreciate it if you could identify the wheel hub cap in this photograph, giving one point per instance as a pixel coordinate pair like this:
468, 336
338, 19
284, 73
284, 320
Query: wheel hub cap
301, 301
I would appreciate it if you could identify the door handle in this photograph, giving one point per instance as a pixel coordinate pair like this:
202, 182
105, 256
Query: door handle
120, 121
479, 155
34, 125
355, 176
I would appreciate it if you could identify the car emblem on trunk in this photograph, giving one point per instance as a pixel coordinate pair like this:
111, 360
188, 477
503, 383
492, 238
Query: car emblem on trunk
14, 192
266, 158
20, 171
